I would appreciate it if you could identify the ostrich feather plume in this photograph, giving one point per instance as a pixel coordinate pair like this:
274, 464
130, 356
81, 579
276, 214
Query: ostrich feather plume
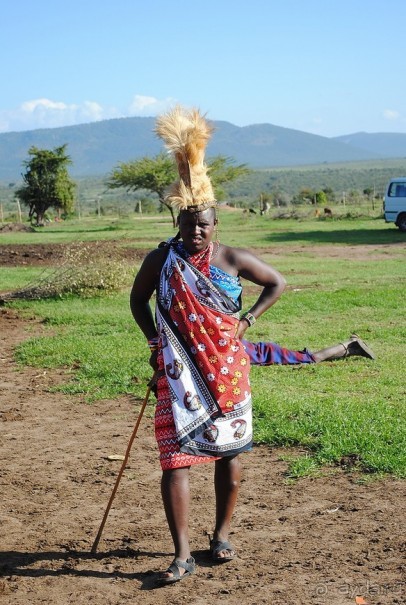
186, 134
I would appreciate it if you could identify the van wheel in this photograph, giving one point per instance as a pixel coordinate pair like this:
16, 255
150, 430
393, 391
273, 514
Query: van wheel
401, 222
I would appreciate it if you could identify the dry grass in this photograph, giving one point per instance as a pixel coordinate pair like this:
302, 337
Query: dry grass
81, 272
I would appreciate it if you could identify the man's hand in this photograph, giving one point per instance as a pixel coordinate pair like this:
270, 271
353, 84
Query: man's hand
242, 326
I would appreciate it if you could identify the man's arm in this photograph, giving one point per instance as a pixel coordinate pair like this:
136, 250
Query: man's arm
145, 284
253, 269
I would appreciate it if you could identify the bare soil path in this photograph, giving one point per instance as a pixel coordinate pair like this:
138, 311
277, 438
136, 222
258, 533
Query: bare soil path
326, 539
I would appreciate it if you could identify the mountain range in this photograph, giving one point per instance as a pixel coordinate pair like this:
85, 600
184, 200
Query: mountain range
96, 148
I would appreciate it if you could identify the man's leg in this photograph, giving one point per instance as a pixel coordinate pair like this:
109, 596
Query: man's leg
269, 353
329, 353
227, 478
354, 346
176, 496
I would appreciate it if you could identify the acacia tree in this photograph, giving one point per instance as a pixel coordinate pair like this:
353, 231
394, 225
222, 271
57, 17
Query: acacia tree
222, 170
47, 183
153, 174
157, 173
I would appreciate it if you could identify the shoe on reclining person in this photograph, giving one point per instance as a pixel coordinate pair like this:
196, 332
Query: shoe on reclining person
356, 346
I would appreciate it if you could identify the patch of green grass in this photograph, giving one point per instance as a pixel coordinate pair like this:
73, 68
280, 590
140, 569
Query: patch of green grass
339, 411
301, 466
348, 412
12, 278
253, 230
352, 409
91, 229
235, 227
95, 340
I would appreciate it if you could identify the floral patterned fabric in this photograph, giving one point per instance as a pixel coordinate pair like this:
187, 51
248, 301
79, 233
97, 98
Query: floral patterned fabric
204, 397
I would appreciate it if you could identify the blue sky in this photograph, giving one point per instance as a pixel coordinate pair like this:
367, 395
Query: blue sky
329, 67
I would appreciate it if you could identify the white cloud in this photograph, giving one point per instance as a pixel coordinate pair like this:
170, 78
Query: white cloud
43, 104
48, 113
149, 106
93, 111
140, 102
391, 114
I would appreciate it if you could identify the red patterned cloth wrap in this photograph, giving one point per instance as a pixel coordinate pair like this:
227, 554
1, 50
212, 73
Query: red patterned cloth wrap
204, 408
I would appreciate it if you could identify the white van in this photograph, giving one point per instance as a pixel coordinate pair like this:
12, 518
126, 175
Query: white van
394, 202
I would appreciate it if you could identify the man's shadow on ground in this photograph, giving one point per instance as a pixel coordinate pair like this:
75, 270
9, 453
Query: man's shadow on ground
14, 563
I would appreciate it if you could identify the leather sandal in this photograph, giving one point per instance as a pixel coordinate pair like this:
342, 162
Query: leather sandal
217, 546
174, 568
359, 347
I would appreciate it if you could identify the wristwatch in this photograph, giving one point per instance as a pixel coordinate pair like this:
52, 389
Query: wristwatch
249, 318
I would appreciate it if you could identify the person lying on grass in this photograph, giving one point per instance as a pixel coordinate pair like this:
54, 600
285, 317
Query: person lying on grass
266, 353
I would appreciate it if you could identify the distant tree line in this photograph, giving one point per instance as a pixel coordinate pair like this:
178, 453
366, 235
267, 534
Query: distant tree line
47, 184
156, 173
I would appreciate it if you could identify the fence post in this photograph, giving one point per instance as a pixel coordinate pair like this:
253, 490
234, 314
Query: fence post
20, 219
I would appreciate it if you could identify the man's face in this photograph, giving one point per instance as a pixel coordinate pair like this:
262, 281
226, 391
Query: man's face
196, 229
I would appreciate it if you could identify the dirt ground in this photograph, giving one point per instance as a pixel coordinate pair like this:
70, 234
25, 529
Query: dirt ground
49, 254
45, 255
331, 539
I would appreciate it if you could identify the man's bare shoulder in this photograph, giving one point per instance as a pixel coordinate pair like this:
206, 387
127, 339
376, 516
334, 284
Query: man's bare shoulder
156, 256
160, 252
233, 254
240, 261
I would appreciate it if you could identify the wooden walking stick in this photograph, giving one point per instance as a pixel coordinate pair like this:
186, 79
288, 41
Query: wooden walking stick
124, 464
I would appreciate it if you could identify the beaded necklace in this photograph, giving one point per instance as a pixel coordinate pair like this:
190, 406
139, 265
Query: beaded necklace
201, 260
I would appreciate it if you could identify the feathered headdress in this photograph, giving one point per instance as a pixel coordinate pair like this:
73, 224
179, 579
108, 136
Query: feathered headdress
186, 133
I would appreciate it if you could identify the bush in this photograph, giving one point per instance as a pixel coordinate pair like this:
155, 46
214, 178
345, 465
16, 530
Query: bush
80, 274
